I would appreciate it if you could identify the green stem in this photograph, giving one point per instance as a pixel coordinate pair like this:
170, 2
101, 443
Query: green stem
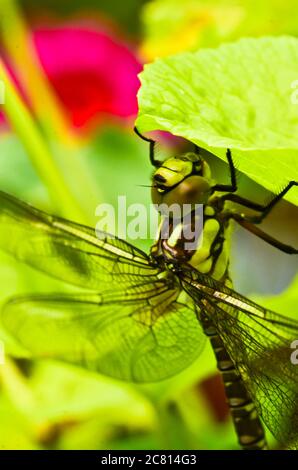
37, 149
17, 39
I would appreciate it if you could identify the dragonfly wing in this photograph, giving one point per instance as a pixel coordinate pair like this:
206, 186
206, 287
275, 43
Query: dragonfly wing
142, 335
259, 343
68, 251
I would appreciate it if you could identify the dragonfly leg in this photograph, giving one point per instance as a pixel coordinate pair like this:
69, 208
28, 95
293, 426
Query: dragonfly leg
228, 187
250, 222
264, 209
152, 143
251, 227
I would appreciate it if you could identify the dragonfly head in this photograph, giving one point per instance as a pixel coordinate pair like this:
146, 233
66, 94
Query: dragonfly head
184, 179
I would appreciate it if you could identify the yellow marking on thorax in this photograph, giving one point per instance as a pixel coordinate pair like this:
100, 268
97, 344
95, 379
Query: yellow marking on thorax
205, 266
208, 210
223, 259
201, 260
175, 235
211, 228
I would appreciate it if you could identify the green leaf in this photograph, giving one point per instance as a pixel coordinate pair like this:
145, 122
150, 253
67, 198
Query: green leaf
238, 96
79, 394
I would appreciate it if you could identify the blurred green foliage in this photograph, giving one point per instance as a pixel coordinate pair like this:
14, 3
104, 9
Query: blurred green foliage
125, 14
172, 26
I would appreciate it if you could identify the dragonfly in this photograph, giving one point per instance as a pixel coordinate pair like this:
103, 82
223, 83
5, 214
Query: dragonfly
145, 317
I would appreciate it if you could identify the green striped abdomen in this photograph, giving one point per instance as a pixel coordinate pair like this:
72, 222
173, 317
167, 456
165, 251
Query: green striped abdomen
248, 426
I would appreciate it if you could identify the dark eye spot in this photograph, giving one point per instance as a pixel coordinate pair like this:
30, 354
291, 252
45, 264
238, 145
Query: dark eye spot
159, 178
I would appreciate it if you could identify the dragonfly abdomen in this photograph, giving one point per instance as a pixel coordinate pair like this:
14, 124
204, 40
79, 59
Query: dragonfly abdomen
248, 426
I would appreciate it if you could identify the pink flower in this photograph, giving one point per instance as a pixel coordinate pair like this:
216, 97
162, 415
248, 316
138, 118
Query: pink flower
93, 73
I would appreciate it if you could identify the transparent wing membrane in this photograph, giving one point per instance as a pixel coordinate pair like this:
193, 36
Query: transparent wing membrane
259, 343
132, 328
69, 251
132, 324
144, 336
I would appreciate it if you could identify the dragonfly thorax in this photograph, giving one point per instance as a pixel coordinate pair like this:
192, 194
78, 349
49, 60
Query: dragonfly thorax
182, 185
